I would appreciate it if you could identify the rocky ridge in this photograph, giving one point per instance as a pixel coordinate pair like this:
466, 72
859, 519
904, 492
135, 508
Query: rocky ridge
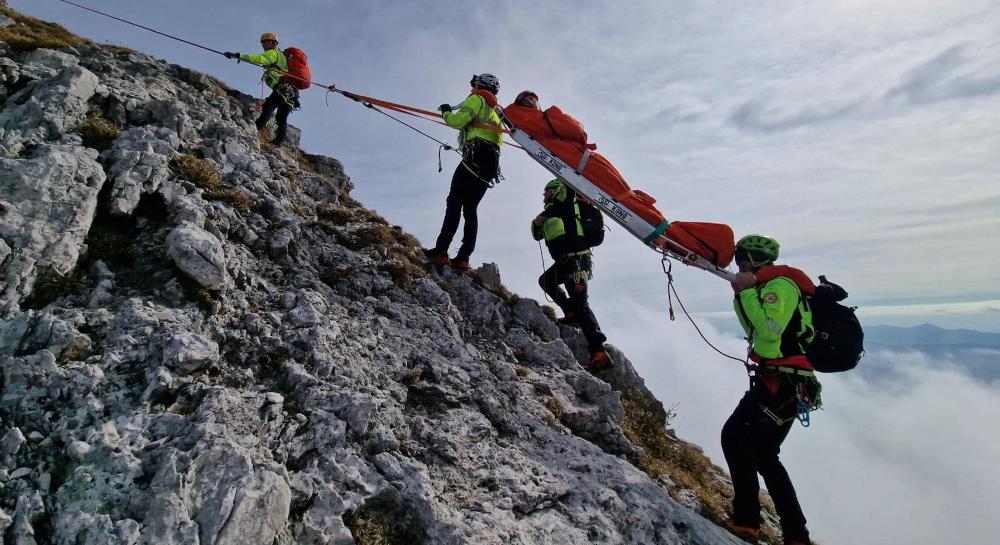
205, 340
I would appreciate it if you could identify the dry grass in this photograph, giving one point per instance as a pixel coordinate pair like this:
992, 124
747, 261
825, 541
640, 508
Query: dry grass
555, 406
51, 285
378, 530
379, 236
332, 213
30, 33
98, 133
196, 293
305, 163
549, 312
685, 465
335, 275
403, 272
205, 175
200, 172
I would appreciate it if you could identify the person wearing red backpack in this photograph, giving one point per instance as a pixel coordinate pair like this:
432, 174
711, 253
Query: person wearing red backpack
284, 95
480, 139
771, 308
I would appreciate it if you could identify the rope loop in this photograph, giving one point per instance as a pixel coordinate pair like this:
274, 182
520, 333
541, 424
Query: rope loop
667, 269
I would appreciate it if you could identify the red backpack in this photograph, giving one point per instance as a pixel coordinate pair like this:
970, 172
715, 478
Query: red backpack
299, 73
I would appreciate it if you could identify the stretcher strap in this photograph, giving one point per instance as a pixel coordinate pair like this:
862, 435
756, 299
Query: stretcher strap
583, 161
657, 232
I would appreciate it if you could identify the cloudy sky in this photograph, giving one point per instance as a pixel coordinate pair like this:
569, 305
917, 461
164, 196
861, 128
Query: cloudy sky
864, 135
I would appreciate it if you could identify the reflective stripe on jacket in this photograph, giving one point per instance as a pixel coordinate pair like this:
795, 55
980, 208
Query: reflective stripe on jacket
271, 57
474, 110
558, 214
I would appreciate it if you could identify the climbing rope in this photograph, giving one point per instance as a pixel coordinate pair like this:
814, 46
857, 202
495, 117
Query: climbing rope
369, 102
172, 37
668, 270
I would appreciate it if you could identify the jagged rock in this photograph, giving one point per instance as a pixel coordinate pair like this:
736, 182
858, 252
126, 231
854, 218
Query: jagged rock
199, 255
5, 519
54, 196
46, 63
317, 386
139, 162
188, 352
78, 450
30, 506
12, 441
10, 71
47, 110
323, 523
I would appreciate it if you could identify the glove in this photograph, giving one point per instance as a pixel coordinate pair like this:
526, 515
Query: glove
444, 108
231, 55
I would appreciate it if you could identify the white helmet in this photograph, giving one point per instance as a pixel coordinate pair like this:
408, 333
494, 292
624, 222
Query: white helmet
487, 81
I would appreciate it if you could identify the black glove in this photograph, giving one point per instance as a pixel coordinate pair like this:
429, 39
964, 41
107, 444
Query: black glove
444, 108
231, 55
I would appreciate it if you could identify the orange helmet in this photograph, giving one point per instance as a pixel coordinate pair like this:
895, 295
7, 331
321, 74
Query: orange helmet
269, 36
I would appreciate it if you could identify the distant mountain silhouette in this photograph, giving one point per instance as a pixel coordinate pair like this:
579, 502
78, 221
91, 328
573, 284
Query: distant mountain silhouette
975, 352
929, 335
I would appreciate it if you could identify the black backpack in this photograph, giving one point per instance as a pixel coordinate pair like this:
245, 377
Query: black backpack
839, 340
593, 224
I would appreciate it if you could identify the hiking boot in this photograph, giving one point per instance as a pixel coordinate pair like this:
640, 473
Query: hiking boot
746, 533
569, 319
460, 264
436, 257
599, 361
793, 541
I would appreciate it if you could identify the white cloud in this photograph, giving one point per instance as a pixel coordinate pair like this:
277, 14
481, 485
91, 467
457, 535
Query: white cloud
894, 198
906, 459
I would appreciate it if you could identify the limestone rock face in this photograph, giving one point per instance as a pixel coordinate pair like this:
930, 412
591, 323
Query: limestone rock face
47, 203
139, 163
199, 254
259, 359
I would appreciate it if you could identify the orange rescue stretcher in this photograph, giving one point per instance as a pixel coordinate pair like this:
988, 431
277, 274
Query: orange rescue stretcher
559, 143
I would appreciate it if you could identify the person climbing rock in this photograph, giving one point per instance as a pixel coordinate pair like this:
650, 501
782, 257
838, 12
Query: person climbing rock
284, 95
778, 323
479, 168
561, 227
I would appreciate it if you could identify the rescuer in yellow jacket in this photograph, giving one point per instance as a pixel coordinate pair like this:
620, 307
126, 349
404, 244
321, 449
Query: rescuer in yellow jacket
479, 169
778, 323
561, 226
284, 96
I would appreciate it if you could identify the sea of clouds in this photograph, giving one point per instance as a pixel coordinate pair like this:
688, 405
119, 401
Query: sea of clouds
908, 456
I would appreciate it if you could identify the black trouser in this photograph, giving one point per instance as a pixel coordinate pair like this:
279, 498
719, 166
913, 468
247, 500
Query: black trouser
479, 166
751, 441
560, 275
283, 103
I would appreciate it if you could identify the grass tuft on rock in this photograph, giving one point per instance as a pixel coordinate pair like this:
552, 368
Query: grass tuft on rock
379, 530
29, 33
403, 272
98, 133
205, 175
51, 285
682, 463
